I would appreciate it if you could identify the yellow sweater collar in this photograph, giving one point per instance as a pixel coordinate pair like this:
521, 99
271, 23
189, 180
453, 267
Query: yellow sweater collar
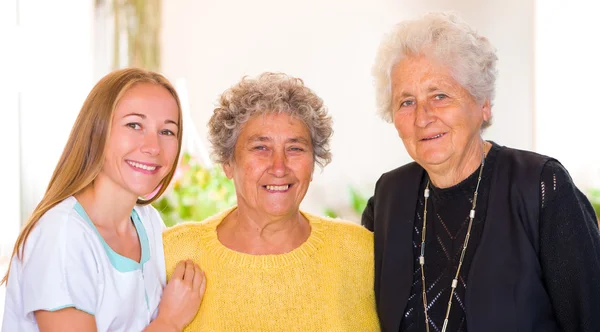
214, 247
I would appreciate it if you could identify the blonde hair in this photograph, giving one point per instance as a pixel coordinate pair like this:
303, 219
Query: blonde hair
446, 38
269, 93
83, 156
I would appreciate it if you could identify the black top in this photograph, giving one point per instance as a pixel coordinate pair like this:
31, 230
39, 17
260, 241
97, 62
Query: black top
447, 224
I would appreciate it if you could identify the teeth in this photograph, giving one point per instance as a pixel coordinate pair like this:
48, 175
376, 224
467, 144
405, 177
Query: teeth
278, 188
138, 165
436, 136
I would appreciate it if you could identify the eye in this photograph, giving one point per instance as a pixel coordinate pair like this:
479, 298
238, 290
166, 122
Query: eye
167, 132
440, 96
134, 125
259, 148
296, 148
407, 103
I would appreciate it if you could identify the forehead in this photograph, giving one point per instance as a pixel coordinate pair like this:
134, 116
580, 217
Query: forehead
421, 71
148, 99
274, 125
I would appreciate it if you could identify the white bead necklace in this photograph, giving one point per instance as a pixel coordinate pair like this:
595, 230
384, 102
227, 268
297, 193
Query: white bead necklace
462, 254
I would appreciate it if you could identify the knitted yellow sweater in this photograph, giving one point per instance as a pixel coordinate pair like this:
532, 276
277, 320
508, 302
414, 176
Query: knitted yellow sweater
326, 284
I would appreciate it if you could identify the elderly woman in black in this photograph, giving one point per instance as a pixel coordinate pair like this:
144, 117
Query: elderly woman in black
472, 235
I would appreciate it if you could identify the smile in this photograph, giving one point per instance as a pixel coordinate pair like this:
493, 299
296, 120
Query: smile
141, 166
433, 137
278, 188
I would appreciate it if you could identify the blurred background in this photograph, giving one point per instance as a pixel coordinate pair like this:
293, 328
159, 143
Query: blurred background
53, 52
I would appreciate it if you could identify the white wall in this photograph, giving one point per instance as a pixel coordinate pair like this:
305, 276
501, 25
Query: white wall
46, 63
55, 66
9, 103
9, 196
331, 45
567, 89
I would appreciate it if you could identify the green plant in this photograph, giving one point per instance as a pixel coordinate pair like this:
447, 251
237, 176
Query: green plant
358, 202
195, 193
594, 197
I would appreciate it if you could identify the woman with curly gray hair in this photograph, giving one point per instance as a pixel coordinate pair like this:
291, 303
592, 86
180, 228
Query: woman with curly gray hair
472, 235
270, 266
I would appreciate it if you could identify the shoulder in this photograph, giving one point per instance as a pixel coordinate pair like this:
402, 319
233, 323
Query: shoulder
525, 168
180, 234
556, 183
63, 224
62, 238
395, 181
555, 175
61, 213
188, 240
188, 231
343, 232
522, 157
402, 171
553, 168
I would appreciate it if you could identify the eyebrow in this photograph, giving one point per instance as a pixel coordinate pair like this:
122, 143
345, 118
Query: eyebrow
405, 94
298, 139
143, 116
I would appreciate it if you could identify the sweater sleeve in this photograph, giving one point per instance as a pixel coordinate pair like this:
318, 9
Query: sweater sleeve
569, 251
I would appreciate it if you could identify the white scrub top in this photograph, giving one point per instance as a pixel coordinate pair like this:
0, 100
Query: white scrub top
67, 263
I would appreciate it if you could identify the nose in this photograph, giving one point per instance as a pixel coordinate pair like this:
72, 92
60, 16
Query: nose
424, 115
278, 164
151, 145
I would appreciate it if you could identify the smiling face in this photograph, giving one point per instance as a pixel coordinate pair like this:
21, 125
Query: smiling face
437, 119
142, 145
272, 165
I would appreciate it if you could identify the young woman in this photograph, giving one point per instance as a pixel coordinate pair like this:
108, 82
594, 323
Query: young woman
91, 257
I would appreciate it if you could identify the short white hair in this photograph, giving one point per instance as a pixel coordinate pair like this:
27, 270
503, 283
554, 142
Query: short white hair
446, 38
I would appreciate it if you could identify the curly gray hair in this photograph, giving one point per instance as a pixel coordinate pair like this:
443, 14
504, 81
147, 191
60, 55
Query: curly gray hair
268, 93
446, 38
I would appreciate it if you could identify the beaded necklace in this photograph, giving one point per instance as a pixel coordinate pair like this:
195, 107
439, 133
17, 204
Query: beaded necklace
462, 254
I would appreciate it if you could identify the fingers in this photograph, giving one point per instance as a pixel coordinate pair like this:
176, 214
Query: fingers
198, 278
188, 277
203, 285
179, 270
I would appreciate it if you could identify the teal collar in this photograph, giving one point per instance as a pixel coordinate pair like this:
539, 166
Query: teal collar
119, 262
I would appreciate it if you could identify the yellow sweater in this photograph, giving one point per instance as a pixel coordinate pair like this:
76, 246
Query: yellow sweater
326, 284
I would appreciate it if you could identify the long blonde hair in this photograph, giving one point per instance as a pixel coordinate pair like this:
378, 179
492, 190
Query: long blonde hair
83, 156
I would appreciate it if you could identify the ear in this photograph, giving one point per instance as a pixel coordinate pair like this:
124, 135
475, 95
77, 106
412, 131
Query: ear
228, 170
487, 110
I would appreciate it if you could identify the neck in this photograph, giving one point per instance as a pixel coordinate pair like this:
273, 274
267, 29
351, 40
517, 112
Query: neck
108, 208
261, 225
246, 231
445, 176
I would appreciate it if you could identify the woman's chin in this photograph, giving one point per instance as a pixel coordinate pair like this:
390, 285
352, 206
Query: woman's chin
280, 210
433, 159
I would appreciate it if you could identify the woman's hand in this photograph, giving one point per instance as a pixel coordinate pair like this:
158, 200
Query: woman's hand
181, 298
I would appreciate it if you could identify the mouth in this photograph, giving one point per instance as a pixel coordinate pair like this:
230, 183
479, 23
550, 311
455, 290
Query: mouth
277, 188
434, 137
143, 167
